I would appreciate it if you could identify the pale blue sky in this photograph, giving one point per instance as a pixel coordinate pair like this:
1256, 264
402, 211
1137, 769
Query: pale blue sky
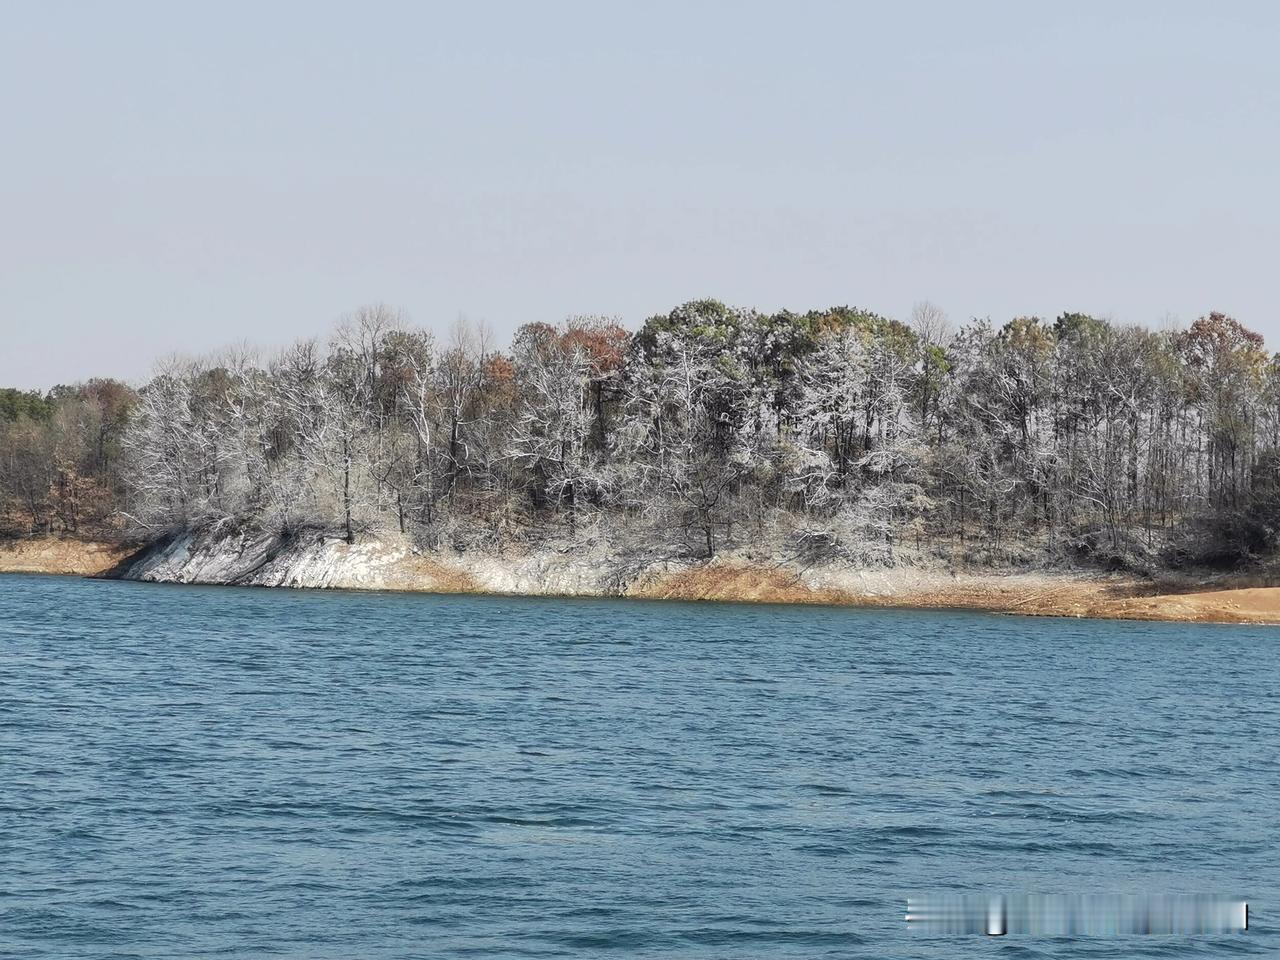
179, 176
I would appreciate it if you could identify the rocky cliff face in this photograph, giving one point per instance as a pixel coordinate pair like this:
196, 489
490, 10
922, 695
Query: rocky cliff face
260, 559
251, 558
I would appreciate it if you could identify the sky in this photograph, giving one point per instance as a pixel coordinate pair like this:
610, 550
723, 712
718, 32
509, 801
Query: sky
183, 177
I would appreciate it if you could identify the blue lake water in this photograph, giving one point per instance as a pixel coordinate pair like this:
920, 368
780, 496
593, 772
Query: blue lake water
214, 772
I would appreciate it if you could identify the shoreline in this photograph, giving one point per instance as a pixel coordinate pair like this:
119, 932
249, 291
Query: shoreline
61, 557
744, 579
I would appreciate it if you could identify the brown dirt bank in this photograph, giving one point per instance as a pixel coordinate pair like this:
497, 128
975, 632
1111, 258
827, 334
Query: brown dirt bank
55, 555
1039, 594
1243, 605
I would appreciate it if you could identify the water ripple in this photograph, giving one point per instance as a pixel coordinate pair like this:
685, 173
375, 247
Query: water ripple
231, 773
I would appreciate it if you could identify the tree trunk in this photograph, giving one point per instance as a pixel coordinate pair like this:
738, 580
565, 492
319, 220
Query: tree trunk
346, 487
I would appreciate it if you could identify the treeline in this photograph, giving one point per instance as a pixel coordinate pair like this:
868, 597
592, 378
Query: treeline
833, 432
60, 459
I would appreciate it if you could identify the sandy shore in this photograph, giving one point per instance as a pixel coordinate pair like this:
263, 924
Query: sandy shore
379, 566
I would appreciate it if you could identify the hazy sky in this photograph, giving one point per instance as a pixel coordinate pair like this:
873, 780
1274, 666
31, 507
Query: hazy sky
180, 176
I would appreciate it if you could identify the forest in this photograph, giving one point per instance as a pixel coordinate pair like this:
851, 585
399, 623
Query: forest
834, 433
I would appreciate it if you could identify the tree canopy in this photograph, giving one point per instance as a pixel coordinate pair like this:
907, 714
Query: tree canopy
710, 427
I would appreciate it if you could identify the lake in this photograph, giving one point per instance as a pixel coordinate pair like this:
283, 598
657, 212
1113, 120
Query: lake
218, 772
